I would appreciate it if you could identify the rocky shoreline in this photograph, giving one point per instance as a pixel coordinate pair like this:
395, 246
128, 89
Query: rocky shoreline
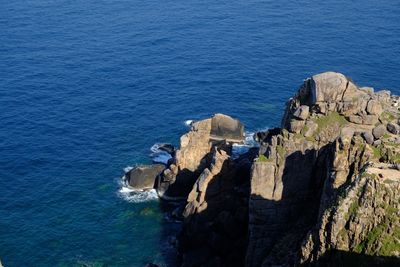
321, 190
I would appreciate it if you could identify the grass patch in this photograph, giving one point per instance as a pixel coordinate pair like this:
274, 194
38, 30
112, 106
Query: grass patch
389, 240
263, 158
330, 120
387, 116
352, 210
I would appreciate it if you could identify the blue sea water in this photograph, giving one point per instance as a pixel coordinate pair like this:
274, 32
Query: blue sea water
87, 87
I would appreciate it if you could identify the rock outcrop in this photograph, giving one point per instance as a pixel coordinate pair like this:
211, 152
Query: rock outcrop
195, 154
322, 190
302, 171
143, 177
214, 231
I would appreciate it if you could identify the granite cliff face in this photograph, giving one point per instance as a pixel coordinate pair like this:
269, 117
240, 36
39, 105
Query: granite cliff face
306, 176
321, 190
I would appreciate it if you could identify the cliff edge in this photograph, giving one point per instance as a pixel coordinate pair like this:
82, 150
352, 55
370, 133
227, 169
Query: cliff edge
321, 190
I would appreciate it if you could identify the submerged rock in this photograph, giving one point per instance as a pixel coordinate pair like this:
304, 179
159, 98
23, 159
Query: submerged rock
143, 177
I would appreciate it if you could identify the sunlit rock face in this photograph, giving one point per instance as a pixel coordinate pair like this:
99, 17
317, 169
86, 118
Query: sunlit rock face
321, 190
331, 131
195, 153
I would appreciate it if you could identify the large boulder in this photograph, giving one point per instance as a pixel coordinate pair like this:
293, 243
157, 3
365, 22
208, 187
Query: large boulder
379, 131
225, 127
330, 87
393, 128
143, 177
374, 107
302, 112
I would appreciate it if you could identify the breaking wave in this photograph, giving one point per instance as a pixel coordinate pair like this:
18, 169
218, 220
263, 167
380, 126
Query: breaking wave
249, 142
158, 155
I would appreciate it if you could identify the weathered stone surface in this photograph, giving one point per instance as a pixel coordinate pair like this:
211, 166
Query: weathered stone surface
314, 188
143, 177
379, 131
374, 107
296, 126
195, 153
393, 128
216, 213
328, 86
302, 112
311, 128
225, 127
368, 137
347, 226
305, 168
355, 119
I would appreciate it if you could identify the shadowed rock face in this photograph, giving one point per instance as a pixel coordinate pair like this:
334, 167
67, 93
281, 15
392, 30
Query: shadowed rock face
143, 177
322, 190
300, 187
195, 153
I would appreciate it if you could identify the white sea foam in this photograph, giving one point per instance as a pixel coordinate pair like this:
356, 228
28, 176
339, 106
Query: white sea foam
189, 122
240, 149
128, 168
158, 155
135, 196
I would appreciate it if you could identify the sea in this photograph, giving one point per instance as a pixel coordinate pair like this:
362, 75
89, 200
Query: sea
88, 87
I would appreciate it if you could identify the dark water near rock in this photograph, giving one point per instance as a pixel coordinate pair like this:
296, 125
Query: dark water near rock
87, 87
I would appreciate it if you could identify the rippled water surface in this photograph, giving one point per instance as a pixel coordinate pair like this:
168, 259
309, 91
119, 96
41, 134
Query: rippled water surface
87, 87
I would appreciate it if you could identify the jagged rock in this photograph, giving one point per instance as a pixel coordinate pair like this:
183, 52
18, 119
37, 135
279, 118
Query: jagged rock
368, 205
393, 128
216, 213
298, 178
314, 189
369, 119
383, 95
301, 112
296, 126
368, 137
143, 177
311, 127
355, 119
170, 149
379, 131
195, 153
374, 107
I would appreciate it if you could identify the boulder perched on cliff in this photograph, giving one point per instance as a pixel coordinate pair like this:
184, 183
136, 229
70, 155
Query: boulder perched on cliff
226, 128
330, 87
143, 177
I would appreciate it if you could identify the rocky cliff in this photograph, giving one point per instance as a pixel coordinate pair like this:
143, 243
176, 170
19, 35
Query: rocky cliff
321, 190
312, 191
